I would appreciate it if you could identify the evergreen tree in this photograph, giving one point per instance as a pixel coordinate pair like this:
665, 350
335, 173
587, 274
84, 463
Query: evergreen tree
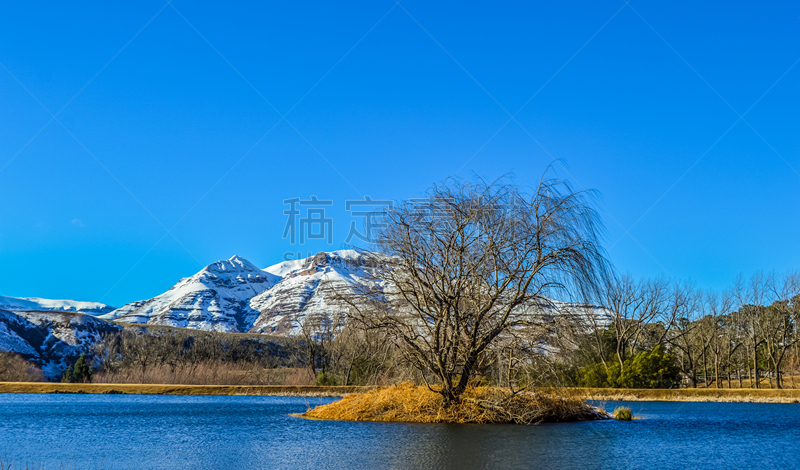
67, 375
82, 372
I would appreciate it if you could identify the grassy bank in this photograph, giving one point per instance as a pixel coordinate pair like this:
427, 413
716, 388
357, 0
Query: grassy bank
408, 403
742, 395
681, 394
165, 389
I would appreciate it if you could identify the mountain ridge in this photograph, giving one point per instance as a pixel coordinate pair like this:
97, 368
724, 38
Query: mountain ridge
235, 296
23, 304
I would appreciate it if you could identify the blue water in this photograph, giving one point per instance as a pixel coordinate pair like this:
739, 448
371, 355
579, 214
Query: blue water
211, 432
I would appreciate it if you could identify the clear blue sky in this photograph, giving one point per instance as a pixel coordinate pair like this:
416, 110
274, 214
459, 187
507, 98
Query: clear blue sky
169, 151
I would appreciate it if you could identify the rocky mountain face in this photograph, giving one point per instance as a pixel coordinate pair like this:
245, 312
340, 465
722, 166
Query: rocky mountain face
235, 296
52, 340
215, 299
305, 290
22, 304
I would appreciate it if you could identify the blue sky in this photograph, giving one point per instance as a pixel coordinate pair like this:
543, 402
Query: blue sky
181, 128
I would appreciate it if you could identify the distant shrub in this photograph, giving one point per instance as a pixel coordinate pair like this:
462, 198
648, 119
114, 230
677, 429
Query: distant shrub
648, 369
623, 413
363, 371
593, 376
325, 379
14, 368
300, 376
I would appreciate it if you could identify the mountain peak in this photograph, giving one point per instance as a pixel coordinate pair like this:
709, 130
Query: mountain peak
213, 299
234, 264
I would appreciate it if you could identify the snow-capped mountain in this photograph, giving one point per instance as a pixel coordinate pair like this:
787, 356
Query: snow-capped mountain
51, 339
22, 304
305, 289
215, 299
235, 296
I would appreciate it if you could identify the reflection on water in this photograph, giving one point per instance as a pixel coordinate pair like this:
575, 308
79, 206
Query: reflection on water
209, 432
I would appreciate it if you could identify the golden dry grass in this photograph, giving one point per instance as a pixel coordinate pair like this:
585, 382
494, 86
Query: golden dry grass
604, 394
789, 382
168, 389
739, 395
417, 404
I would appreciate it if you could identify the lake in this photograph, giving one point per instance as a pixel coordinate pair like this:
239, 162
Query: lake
238, 432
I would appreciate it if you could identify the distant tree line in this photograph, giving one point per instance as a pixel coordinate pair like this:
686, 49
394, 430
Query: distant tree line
667, 334
155, 354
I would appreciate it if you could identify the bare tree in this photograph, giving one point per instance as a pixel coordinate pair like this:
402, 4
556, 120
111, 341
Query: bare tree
750, 299
473, 262
686, 310
712, 331
14, 368
779, 320
312, 345
632, 305
361, 357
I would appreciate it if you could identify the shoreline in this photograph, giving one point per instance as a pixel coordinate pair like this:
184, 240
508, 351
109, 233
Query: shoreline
737, 395
169, 389
743, 395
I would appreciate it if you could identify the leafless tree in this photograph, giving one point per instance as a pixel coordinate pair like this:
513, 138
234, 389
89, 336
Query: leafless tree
15, 368
472, 262
750, 298
313, 344
685, 307
779, 320
632, 305
712, 332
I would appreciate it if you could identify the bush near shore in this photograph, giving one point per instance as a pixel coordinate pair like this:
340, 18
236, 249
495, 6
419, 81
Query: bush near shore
623, 413
409, 403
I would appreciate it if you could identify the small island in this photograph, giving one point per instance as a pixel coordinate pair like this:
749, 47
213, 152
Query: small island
409, 403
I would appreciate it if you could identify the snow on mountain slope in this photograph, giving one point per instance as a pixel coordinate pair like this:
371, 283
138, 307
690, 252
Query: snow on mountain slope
10, 340
590, 316
215, 299
51, 339
304, 290
20, 304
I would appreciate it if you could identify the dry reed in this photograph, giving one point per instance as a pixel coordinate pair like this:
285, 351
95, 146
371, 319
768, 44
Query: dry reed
687, 394
417, 404
173, 389
206, 373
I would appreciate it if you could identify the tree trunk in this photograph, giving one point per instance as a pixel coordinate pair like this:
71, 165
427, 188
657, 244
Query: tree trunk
466, 373
705, 370
755, 368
